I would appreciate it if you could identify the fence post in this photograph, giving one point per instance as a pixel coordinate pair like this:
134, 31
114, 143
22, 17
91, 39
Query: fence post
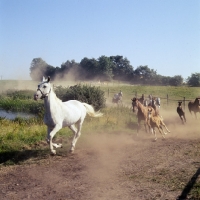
184, 102
167, 99
108, 92
136, 94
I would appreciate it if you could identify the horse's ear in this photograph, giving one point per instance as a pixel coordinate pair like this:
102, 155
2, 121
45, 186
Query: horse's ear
48, 79
43, 79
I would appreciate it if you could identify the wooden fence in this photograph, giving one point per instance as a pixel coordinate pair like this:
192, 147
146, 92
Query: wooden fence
167, 98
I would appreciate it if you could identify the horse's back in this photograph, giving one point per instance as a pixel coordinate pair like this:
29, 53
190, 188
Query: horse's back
74, 109
74, 104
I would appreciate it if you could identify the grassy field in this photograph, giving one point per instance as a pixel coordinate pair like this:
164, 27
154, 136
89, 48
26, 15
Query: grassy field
19, 134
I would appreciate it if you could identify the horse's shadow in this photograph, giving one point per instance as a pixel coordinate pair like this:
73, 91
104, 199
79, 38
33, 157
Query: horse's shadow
16, 157
131, 125
189, 186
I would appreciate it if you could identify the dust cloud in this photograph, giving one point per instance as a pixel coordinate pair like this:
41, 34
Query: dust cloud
108, 151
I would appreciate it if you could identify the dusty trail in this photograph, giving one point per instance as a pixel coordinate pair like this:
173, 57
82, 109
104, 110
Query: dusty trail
111, 166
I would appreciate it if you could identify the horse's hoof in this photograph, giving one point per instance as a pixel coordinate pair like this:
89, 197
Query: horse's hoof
71, 151
53, 152
59, 146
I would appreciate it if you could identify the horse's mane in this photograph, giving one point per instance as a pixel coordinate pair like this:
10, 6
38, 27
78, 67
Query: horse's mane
59, 100
141, 107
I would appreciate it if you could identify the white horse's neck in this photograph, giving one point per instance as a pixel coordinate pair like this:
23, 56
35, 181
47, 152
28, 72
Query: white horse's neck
50, 101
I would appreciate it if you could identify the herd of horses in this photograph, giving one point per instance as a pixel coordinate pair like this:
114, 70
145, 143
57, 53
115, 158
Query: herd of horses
149, 112
60, 114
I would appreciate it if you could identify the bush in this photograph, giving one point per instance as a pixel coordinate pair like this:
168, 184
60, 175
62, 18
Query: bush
91, 95
20, 94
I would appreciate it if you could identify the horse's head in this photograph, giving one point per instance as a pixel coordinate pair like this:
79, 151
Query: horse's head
198, 99
149, 114
120, 93
43, 90
135, 104
179, 103
158, 101
145, 102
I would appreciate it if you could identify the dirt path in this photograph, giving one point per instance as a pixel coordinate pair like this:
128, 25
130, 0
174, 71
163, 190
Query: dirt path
110, 166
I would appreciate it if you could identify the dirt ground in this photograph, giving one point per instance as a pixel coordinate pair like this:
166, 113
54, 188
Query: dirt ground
112, 166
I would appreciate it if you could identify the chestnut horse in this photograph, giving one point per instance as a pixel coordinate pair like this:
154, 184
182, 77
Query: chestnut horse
142, 113
194, 106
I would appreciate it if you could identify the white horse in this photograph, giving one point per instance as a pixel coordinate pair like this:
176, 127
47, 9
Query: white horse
117, 98
60, 114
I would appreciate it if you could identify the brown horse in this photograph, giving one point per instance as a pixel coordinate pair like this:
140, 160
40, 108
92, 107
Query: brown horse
194, 106
142, 113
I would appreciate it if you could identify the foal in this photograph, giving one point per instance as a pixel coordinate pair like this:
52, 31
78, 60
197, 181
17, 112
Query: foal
181, 112
156, 121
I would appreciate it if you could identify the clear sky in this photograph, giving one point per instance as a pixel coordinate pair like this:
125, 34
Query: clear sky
163, 34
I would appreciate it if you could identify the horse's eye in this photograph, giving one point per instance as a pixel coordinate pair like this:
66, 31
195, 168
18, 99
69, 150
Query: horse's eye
44, 86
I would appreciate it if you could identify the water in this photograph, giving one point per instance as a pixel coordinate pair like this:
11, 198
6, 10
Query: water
13, 115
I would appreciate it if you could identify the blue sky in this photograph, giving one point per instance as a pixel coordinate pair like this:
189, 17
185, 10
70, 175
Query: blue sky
163, 34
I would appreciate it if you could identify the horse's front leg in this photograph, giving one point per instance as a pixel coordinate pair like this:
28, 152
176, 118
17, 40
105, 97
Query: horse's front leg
138, 126
149, 125
49, 129
154, 131
51, 134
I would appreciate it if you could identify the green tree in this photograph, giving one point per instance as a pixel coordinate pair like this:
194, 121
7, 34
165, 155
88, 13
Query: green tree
144, 75
122, 70
104, 69
194, 80
176, 80
89, 68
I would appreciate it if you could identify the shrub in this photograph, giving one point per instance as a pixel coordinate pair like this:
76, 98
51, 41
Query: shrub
20, 94
91, 95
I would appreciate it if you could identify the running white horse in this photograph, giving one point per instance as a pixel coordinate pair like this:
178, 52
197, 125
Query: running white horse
117, 98
60, 114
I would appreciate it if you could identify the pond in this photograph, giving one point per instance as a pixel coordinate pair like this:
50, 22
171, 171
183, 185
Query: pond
13, 115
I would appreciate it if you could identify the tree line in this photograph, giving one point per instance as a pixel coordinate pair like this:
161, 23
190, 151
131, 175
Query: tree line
108, 69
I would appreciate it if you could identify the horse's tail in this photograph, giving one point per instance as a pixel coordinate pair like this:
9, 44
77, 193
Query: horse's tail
90, 111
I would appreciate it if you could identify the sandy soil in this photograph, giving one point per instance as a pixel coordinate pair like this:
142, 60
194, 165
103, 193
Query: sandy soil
112, 166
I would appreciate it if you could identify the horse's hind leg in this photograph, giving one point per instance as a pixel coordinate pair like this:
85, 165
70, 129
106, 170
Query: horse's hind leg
77, 133
163, 124
182, 119
162, 131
